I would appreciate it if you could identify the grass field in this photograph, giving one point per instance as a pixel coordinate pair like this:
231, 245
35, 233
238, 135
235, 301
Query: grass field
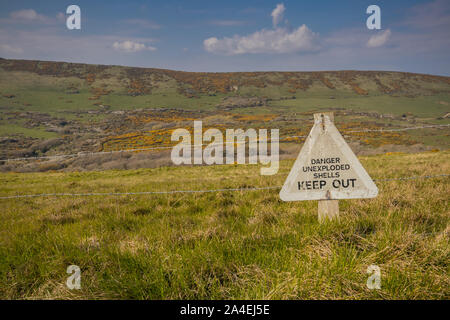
233, 245
425, 106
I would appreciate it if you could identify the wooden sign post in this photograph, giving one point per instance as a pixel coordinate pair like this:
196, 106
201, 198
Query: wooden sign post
327, 170
328, 209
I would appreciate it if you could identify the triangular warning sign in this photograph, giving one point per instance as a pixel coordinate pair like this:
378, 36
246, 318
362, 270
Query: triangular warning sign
326, 168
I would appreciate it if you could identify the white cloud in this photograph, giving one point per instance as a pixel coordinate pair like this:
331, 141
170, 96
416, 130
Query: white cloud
279, 40
277, 14
53, 45
227, 23
7, 49
131, 46
28, 15
379, 39
276, 40
435, 14
142, 23
61, 16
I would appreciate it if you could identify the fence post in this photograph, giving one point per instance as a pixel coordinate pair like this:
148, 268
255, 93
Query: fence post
327, 209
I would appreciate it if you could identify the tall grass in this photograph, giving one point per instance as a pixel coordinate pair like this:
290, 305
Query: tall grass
220, 245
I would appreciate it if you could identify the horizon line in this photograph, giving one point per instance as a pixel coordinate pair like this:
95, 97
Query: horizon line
255, 71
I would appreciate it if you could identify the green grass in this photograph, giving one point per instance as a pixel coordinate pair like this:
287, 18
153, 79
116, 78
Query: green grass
12, 129
421, 106
56, 101
232, 245
47, 92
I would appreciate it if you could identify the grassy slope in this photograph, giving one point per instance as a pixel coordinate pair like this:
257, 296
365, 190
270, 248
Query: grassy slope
228, 244
422, 106
43, 86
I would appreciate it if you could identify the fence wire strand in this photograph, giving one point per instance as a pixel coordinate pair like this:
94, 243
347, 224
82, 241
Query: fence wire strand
190, 191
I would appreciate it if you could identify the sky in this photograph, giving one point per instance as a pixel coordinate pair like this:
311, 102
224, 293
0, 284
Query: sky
222, 36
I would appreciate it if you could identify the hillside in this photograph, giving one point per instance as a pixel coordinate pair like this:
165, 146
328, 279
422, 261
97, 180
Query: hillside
49, 108
134, 238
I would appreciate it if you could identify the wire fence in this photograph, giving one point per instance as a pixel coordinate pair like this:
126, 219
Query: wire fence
190, 191
198, 191
285, 139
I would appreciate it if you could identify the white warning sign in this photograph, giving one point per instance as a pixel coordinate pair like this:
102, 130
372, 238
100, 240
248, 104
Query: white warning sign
326, 168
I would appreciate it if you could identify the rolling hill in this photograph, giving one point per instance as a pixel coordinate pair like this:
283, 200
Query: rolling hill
152, 231
51, 108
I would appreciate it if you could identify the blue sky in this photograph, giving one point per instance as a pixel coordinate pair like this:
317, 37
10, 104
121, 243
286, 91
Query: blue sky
233, 35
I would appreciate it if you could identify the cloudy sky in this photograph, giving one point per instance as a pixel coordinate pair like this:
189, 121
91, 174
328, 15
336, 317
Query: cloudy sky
231, 35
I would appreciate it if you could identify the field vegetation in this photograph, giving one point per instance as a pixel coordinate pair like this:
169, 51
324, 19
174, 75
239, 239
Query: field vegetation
49, 108
224, 245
